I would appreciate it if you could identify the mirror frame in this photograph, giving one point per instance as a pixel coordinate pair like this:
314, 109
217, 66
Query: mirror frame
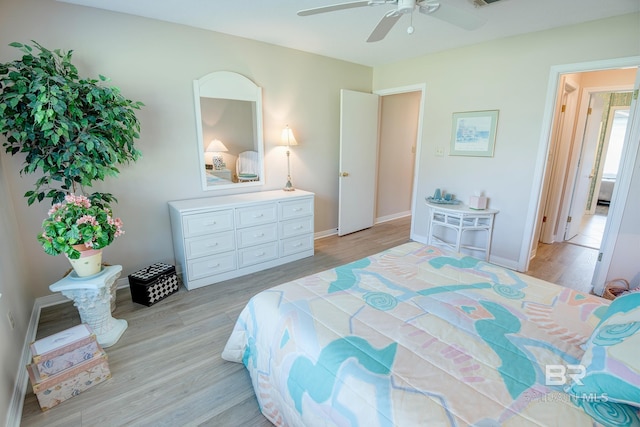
232, 86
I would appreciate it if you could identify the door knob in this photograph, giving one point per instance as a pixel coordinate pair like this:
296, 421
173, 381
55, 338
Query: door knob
344, 173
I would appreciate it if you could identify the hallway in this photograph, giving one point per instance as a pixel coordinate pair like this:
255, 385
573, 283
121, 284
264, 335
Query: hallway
592, 229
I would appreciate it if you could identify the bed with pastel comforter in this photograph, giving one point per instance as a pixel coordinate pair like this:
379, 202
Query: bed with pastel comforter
414, 336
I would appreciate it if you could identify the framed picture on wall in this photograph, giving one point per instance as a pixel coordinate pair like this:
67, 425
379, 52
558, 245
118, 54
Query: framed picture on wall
474, 133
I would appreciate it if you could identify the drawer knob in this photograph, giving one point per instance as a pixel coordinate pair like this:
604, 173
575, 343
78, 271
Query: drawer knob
297, 209
259, 254
211, 245
299, 227
214, 265
258, 215
259, 235
210, 223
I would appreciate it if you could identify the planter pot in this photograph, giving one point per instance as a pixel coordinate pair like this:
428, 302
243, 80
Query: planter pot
89, 263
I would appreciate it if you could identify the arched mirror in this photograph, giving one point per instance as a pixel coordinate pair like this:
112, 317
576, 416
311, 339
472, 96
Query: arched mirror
229, 127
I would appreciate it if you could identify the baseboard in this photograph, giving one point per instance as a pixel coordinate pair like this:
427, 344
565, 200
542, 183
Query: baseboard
391, 217
326, 233
504, 262
22, 381
334, 231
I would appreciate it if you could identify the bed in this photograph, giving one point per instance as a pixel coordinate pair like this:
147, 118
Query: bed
416, 336
213, 179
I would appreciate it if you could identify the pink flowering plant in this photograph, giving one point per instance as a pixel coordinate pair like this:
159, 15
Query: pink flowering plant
79, 221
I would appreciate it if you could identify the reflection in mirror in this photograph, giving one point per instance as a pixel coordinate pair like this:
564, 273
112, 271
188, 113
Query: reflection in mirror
229, 127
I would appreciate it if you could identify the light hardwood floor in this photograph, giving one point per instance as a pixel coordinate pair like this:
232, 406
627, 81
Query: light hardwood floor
565, 264
167, 369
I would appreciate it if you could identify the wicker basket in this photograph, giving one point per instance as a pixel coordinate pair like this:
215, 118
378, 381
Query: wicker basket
614, 288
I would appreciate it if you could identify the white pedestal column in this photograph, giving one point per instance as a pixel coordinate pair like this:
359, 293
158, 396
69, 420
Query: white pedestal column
92, 296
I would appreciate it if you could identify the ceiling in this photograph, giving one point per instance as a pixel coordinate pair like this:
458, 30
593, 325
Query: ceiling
342, 34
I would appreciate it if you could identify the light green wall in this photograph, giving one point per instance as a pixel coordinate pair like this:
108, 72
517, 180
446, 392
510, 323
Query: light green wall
510, 75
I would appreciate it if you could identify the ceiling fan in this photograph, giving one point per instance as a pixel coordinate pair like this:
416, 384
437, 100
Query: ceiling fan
437, 9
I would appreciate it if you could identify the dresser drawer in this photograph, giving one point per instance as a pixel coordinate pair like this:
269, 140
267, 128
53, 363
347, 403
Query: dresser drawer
210, 244
208, 222
296, 208
294, 245
223, 237
256, 215
256, 235
295, 227
257, 254
209, 266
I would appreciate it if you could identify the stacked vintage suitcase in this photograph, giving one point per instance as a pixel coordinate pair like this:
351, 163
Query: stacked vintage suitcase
66, 364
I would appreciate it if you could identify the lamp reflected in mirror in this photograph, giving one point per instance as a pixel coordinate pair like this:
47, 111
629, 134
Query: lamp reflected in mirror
288, 139
228, 107
216, 148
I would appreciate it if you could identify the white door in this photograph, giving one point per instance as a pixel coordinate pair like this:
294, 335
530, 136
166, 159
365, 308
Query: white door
558, 160
585, 173
621, 193
358, 160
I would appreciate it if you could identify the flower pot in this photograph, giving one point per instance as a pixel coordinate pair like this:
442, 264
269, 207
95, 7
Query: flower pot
89, 263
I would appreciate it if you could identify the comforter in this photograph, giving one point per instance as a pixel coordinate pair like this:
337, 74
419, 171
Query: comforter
416, 336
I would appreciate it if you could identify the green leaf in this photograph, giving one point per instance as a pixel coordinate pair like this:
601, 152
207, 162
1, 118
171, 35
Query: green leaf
73, 130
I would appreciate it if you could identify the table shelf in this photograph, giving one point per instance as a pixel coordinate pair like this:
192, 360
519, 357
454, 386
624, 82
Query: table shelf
460, 219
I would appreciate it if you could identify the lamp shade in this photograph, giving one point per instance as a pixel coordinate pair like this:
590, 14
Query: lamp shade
287, 137
216, 146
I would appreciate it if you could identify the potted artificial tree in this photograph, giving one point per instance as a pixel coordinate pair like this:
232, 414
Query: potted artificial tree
73, 132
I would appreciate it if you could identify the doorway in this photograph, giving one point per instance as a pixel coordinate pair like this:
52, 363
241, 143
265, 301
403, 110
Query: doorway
398, 123
577, 151
600, 159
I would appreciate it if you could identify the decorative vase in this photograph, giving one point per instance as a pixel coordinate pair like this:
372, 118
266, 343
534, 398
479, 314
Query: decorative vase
89, 263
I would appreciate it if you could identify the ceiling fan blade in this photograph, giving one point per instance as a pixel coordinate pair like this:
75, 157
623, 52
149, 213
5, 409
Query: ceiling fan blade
384, 26
333, 7
451, 14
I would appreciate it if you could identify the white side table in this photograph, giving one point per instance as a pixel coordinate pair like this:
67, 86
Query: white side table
92, 296
461, 219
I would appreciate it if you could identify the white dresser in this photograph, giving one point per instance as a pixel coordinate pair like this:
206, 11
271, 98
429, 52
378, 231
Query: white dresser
219, 238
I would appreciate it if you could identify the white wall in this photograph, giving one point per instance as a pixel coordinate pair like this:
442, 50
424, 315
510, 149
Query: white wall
156, 62
510, 75
15, 295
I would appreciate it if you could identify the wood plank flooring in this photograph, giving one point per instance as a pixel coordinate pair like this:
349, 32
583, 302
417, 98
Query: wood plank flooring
565, 264
167, 369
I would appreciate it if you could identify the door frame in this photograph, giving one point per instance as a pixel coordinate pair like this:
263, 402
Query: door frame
422, 88
616, 212
560, 149
577, 159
